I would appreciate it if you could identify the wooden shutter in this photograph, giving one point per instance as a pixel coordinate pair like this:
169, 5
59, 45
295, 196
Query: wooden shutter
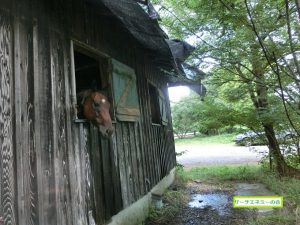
125, 92
163, 107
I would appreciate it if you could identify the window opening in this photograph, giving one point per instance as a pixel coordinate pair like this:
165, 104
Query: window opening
154, 104
91, 72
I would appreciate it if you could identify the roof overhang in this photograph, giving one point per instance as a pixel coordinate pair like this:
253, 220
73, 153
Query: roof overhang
167, 54
140, 25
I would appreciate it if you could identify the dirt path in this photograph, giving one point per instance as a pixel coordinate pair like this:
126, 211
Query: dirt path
220, 154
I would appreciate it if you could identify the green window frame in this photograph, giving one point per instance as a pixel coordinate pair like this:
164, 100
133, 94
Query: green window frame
126, 102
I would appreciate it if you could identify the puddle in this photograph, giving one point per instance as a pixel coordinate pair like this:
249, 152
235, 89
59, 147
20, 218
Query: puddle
216, 201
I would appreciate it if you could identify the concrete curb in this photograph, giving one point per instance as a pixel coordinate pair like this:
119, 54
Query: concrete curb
137, 212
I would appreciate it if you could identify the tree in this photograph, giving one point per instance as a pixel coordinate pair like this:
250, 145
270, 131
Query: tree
184, 116
252, 44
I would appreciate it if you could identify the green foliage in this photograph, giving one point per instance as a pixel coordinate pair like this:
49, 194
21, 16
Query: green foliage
251, 52
184, 115
210, 116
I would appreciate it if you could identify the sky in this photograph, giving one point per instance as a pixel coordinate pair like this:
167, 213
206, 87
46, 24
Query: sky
176, 93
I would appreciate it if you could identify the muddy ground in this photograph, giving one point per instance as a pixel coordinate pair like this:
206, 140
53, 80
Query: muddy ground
209, 204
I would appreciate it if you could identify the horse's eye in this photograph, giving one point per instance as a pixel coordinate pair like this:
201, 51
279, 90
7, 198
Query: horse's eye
96, 104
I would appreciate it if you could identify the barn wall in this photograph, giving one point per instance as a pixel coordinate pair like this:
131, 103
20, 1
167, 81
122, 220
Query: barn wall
54, 170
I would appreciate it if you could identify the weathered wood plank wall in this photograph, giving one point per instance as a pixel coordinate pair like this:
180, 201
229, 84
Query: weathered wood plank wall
53, 170
7, 154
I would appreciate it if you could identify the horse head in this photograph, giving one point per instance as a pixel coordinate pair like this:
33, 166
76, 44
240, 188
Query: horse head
95, 108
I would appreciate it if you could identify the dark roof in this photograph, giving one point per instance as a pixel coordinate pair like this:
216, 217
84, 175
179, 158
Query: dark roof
169, 54
144, 29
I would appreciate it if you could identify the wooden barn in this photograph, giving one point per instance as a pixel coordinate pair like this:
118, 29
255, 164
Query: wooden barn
55, 169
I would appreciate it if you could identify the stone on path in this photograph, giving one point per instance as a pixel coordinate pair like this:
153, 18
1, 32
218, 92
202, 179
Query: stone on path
255, 189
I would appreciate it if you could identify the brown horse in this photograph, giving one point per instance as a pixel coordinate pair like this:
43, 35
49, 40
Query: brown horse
94, 106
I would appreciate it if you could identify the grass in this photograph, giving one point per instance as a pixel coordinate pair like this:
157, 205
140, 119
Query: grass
205, 140
223, 173
289, 188
174, 201
279, 219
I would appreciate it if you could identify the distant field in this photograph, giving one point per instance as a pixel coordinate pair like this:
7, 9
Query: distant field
205, 140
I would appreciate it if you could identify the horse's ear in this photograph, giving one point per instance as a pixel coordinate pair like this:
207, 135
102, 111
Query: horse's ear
81, 96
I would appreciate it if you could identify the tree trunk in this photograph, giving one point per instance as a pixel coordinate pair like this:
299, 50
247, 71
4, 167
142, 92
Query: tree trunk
281, 165
259, 97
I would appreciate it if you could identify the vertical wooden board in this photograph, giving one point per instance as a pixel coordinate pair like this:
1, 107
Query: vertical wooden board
118, 204
139, 131
98, 188
133, 162
153, 152
44, 129
107, 176
150, 76
78, 19
127, 159
152, 158
144, 125
78, 210
161, 151
122, 166
59, 128
170, 147
165, 153
84, 164
7, 170
154, 155
150, 155
144, 162
24, 99
89, 176
139, 162
68, 127
77, 178
158, 151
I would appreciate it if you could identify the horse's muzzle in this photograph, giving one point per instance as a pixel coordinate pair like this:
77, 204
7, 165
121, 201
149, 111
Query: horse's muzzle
106, 132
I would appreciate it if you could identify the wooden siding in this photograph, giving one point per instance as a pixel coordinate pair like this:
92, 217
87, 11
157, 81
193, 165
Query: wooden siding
54, 170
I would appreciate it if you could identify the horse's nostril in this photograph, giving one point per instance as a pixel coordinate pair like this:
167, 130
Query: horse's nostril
109, 132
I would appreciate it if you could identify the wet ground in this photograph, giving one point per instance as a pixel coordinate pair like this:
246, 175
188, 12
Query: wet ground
209, 205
